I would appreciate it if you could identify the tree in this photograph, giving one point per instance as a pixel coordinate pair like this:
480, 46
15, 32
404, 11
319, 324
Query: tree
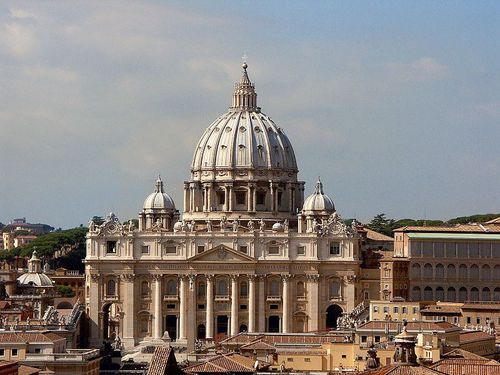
65, 291
382, 224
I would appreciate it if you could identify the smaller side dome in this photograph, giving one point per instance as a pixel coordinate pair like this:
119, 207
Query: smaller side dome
278, 227
35, 277
318, 203
159, 200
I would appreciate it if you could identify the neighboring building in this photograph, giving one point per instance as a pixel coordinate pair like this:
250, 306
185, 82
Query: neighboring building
457, 263
21, 240
250, 253
164, 362
396, 309
48, 352
70, 278
230, 363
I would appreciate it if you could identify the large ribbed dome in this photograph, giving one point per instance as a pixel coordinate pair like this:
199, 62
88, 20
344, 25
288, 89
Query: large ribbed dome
159, 200
244, 138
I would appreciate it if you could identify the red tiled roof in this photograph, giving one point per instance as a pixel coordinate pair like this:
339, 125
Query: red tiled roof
27, 370
412, 326
460, 366
403, 370
258, 345
226, 363
14, 337
461, 353
471, 336
162, 360
466, 228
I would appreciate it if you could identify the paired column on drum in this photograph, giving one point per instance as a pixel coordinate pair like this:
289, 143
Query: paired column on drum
182, 307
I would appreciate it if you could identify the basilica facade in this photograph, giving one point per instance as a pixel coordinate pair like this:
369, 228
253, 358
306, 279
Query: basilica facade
248, 252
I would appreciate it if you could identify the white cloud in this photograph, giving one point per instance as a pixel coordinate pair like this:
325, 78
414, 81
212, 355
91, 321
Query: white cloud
18, 39
422, 69
21, 13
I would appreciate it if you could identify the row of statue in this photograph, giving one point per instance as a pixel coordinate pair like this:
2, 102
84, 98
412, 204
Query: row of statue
225, 225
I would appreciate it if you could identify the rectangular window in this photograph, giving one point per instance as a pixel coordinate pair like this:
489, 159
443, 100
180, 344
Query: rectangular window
280, 195
344, 356
171, 306
478, 320
377, 338
404, 310
273, 307
240, 197
334, 248
14, 352
111, 247
469, 320
145, 249
289, 359
306, 359
274, 250
201, 249
2, 352
244, 249
395, 310
386, 309
170, 250
38, 350
201, 307
415, 310
243, 307
261, 197
363, 338
375, 308
301, 250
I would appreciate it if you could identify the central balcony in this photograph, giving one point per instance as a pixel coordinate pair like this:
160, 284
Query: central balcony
171, 298
273, 298
222, 298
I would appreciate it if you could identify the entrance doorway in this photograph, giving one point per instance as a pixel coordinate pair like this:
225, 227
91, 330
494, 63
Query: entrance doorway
333, 312
201, 332
222, 324
274, 323
110, 321
171, 326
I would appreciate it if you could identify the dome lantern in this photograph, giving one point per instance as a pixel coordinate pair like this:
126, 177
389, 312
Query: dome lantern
244, 96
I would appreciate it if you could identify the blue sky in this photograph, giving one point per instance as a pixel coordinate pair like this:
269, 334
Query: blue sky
395, 104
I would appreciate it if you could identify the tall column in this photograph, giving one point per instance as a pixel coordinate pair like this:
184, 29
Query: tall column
158, 318
251, 303
226, 198
271, 189
286, 303
234, 305
209, 197
249, 198
262, 303
186, 197
128, 311
231, 206
209, 324
182, 307
313, 301
95, 315
254, 198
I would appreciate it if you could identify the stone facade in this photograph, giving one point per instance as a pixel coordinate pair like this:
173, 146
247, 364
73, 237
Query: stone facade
249, 253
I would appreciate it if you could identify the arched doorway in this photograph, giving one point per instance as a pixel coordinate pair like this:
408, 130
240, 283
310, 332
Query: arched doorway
274, 323
243, 328
171, 326
222, 324
201, 332
333, 312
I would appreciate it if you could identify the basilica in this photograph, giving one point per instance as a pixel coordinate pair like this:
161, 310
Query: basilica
247, 253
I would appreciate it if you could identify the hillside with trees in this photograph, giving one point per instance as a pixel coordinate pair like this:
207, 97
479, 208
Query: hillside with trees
380, 223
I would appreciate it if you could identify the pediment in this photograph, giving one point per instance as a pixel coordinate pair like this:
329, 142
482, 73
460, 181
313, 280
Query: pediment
220, 254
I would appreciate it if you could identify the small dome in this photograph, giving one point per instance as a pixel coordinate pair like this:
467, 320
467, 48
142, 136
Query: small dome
159, 200
278, 227
178, 226
318, 202
35, 279
34, 276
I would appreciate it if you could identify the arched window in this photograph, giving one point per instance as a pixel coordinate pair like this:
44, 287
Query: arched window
486, 273
439, 294
496, 272
486, 294
451, 294
415, 271
243, 289
274, 288
334, 289
145, 289
428, 295
474, 272
474, 294
428, 271
416, 294
462, 271
439, 271
222, 288
496, 294
462, 294
451, 271
301, 291
201, 289
171, 288
111, 288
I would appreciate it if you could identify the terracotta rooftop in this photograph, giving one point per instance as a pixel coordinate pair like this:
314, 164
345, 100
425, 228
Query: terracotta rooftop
461, 353
481, 306
162, 361
227, 363
460, 366
373, 235
258, 345
465, 228
14, 337
413, 326
283, 339
441, 309
404, 370
27, 370
471, 336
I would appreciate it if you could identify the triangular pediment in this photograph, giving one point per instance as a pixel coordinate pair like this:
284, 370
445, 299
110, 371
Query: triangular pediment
220, 254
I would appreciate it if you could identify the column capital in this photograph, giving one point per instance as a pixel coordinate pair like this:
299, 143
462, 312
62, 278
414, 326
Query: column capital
209, 277
252, 277
157, 276
128, 277
286, 277
234, 277
95, 277
313, 278
261, 277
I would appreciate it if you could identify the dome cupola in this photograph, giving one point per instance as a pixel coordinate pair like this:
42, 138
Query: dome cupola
158, 199
35, 277
318, 203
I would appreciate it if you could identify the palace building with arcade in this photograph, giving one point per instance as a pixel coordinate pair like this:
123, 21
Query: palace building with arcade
248, 253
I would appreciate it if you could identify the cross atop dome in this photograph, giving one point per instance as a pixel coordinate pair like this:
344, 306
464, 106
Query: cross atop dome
244, 96
159, 185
